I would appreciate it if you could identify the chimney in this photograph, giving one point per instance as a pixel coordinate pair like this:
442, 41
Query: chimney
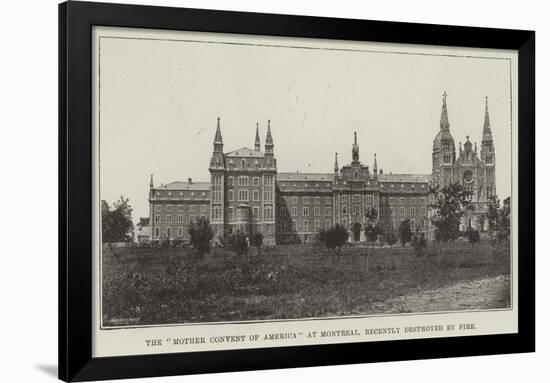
190, 180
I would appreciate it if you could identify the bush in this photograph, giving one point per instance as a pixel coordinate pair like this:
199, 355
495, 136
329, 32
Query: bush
238, 243
419, 243
405, 233
335, 237
391, 238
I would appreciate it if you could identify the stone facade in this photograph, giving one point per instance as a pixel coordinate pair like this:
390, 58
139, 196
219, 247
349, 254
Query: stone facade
247, 193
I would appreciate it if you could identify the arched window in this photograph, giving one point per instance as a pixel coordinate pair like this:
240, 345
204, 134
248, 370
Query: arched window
243, 164
356, 174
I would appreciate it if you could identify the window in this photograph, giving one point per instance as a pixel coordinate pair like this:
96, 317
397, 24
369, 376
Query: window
169, 232
356, 198
413, 200
216, 212
294, 225
255, 181
316, 224
447, 159
192, 209
243, 181
317, 200
344, 209
392, 200
317, 212
423, 200
413, 225
402, 200
402, 211
157, 208
423, 211
305, 211
369, 197
169, 208
230, 195
179, 219
229, 181
243, 195
268, 190
489, 160
180, 232
169, 218
305, 200
413, 211
392, 211
306, 225
157, 232
344, 198
294, 200
230, 214
328, 200
345, 223
328, 211
256, 195
217, 188
268, 212
243, 164
157, 218
294, 211
180, 208
203, 208
256, 212
354, 210
327, 223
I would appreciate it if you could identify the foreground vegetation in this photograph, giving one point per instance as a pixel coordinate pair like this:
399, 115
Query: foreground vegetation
175, 285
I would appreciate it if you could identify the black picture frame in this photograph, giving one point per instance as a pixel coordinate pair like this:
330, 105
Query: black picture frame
75, 189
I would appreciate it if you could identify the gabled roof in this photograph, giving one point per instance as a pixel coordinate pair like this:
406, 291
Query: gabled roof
312, 177
416, 178
179, 185
245, 152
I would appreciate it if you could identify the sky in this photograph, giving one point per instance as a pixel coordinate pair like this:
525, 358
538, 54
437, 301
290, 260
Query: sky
160, 93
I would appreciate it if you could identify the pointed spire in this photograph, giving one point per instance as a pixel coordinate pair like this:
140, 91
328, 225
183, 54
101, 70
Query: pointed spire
444, 123
336, 168
487, 134
257, 140
268, 139
355, 149
375, 167
218, 138
151, 183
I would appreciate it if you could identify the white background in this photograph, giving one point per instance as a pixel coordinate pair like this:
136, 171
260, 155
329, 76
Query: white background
28, 189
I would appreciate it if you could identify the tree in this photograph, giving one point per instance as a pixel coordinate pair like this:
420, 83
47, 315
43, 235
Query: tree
504, 220
473, 238
257, 240
391, 238
335, 237
405, 232
116, 223
238, 242
449, 205
419, 243
492, 215
201, 236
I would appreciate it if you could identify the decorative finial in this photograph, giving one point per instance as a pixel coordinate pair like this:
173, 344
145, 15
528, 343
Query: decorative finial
445, 96
151, 184
467, 138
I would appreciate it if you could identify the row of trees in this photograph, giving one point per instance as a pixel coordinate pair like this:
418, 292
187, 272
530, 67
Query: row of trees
449, 206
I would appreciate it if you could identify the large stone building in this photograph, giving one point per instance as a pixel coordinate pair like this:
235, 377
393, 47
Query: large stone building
247, 193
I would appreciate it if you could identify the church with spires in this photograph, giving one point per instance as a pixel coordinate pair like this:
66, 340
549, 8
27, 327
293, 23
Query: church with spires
247, 193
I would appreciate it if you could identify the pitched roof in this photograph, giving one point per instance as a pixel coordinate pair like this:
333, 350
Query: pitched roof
179, 185
282, 177
245, 152
416, 178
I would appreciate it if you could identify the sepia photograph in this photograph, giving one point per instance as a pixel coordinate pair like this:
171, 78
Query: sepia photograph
248, 179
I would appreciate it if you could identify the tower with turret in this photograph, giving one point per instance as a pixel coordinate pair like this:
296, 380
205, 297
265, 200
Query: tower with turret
217, 185
444, 151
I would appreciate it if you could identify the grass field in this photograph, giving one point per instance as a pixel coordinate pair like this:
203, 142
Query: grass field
158, 286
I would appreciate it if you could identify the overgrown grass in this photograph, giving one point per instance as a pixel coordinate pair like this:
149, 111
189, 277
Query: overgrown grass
157, 286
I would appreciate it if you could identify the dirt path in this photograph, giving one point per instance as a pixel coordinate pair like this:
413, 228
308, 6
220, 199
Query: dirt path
485, 293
